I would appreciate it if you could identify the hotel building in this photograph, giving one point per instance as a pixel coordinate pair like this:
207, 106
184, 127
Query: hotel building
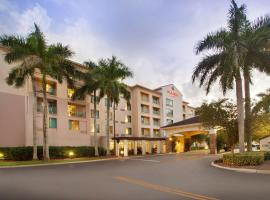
70, 123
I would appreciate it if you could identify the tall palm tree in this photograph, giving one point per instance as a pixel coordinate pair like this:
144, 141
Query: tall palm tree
226, 61
111, 73
90, 86
256, 37
50, 60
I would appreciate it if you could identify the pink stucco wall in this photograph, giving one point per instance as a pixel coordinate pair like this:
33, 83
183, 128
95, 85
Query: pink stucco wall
12, 120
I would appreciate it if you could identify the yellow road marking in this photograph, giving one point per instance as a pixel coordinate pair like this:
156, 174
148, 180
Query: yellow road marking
164, 189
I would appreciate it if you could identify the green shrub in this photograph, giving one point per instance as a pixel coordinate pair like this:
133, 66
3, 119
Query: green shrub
266, 155
56, 152
248, 158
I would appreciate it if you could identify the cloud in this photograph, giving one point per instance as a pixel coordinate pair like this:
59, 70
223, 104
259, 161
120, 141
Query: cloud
155, 38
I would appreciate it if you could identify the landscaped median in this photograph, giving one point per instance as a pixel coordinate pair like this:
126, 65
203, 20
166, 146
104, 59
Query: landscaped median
256, 162
22, 156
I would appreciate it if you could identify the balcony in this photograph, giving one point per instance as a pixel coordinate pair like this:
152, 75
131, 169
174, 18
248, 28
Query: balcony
144, 97
145, 109
52, 106
146, 132
145, 120
156, 100
157, 133
50, 87
156, 122
76, 111
156, 111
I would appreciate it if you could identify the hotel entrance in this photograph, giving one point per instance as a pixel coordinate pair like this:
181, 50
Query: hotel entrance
126, 145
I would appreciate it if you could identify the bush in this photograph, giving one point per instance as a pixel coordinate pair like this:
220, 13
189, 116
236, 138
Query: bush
248, 158
26, 153
266, 155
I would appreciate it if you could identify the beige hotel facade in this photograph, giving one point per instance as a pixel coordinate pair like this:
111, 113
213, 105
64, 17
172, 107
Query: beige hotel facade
70, 123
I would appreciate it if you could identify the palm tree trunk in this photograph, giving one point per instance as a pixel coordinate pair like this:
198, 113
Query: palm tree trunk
95, 124
240, 112
248, 112
114, 144
46, 155
35, 157
108, 127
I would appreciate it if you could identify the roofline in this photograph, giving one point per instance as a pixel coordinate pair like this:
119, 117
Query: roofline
184, 125
264, 137
163, 86
145, 88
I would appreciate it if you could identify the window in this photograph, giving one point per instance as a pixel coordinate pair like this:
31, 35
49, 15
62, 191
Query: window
184, 108
145, 120
169, 121
169, 102
144, 97
74, 125
155, 100
93, 115
156, 111
106, 102
145, 131
52, 123
92, 99
128, 107
128, 131
156, 122
111, 116
128, 119
157, 132
144, 108
184, 116
70, 92
52, 107
93, 129
76, 110
169, 112
111, 130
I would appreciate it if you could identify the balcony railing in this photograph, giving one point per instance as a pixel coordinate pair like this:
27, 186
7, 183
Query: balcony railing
145, 110
51, 109
146, 134
77, 114
156, 112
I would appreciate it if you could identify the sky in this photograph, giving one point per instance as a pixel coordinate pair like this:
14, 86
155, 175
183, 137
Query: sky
155, 38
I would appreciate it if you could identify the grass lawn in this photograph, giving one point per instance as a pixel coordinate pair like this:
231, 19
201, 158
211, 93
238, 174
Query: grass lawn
40, 162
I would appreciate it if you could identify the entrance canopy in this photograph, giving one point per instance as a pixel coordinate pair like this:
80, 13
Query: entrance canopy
187, 128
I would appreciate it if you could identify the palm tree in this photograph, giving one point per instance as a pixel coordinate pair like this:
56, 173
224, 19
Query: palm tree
226, 61
263, 105
50, 60
18, 77
90, 86
256, 37
111, 73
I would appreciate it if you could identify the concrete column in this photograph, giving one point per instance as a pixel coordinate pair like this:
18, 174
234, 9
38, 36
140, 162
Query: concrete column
143, 147
117, 149
150, 147
213, 141
135, 148
158, 146
125, 148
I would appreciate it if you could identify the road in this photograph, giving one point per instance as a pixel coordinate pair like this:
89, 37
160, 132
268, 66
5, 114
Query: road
167, 177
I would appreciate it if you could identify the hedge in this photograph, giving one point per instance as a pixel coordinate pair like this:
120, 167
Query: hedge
241, 159
56, 152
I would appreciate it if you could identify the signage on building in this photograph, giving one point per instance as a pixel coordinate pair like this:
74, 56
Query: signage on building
172, 92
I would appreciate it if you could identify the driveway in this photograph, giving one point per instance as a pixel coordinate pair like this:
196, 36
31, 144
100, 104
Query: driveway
167, 177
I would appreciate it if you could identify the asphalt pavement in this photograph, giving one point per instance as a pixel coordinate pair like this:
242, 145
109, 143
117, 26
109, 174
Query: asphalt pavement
166, 177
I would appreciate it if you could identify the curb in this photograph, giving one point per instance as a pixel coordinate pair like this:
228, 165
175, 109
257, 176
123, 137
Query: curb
83, 161
254, 171
53, 164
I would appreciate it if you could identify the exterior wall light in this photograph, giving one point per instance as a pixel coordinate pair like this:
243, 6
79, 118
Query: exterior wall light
170, 138
71, 154
1, 156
